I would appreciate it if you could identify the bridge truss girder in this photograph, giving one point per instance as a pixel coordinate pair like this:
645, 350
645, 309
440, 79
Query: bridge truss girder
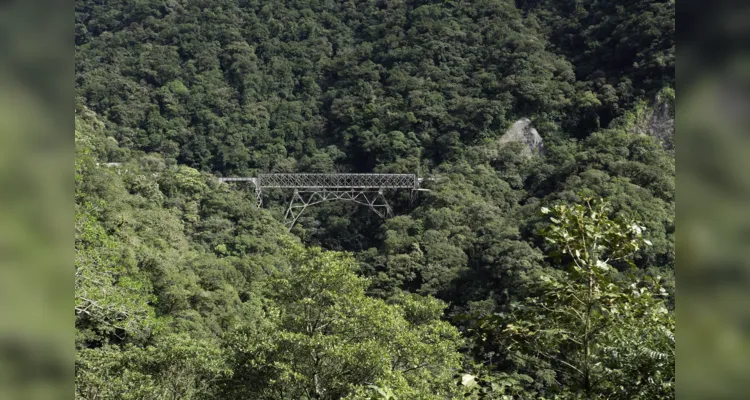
310, 189
372, 198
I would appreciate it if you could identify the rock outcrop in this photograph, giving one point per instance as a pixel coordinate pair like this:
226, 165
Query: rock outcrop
657, 120
522, 131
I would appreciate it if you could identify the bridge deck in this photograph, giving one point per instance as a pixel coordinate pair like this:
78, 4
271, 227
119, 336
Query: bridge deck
332, 181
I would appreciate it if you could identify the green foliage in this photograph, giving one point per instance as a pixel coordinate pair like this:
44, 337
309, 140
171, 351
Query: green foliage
152, 297
174, 366
621, 54
111, 295
585, 233
326, 339
185, 289
631, 172
394, 86
590, 332
381, 393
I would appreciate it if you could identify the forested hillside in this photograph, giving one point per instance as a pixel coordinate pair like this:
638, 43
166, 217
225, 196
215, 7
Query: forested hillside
542, 274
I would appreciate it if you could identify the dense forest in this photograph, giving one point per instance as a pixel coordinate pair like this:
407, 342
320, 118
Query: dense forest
526, 272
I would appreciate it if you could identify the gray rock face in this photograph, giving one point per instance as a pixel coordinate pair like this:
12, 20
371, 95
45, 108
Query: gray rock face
657, 120
522, 131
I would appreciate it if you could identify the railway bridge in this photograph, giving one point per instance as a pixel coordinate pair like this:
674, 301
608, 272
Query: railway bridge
311, 189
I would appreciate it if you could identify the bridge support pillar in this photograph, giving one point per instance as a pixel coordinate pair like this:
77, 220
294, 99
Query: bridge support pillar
258, 196
301, 199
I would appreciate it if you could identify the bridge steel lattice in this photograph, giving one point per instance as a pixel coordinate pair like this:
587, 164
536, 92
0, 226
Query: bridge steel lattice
311, 189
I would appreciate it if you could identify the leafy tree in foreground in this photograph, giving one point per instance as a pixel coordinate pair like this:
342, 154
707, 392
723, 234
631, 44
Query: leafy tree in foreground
326, 339
591, 333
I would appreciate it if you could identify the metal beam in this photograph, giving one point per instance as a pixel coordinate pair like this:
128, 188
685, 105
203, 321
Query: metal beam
373, 199
338, 181
333, 181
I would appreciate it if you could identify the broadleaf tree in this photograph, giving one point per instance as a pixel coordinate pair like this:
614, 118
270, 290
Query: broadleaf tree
589, 330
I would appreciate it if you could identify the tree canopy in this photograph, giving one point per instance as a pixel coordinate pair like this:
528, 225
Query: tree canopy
186, 289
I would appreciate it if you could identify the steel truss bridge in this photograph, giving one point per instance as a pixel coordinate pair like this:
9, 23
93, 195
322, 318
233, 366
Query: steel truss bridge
311, 189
